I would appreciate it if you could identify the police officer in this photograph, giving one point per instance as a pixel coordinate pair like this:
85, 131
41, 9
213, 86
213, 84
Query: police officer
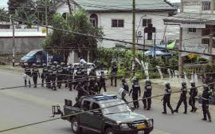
206, 94
102, 83
193, 93
166, 98
48, 76
59, 76
53, 77
183, 98
35, 74
147, 95
63, 65
27, 75
44, 73
114, 70
135, 90
126, 89
70, 71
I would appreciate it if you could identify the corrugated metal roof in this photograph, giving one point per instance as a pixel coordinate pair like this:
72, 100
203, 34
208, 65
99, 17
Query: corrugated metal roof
125, 5
22, 34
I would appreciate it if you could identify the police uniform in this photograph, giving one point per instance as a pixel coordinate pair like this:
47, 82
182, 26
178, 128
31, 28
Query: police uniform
27, 75
53, 78
70, 77
166, 98
102, 82
44, 73
48, 76
59, 76
183, 98
147, 95
35, 74
206, 94
135, 90
114, 70
193, 93
125, 91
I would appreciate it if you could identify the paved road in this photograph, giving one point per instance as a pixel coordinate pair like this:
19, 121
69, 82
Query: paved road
21, 106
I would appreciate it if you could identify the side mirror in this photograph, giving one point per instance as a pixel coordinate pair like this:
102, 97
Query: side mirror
98, 113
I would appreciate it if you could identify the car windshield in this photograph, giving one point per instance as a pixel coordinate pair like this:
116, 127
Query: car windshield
114, 107
31, 53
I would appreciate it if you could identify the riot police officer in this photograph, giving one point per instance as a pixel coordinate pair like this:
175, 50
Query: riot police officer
35, 74
114, 70
206, 94
59, 76
53, 78
193, 93
183, 98
44, 73
27, 75
102, 83
48, 76
77, 77
135, 90
166, 98
125, 89
147, 95
70, 71
63, 65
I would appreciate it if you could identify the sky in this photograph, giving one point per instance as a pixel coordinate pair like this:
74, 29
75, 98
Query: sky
3, 4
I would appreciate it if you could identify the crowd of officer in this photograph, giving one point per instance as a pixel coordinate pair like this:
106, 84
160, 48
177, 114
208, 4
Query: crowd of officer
55, 75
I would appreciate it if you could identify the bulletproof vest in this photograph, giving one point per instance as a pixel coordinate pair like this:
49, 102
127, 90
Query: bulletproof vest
167, 91
136, 88
114, 69
125, 86
54, 72
183, 92
49, 71
45, 70
27, 71
35, 71
60, 70
148, 88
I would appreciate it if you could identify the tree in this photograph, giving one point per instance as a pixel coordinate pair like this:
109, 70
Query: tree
14, 4
68, 35
4, 15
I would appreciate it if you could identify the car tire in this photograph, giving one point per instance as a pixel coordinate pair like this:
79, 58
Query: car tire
109, 131
75, 126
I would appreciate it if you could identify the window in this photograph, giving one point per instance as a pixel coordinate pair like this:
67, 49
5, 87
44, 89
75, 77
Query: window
192, 30
145, 22
117, 23
94, 20
86, 105
205, 41
206, 5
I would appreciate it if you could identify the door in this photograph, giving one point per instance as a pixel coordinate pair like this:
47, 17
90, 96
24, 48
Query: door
96, 117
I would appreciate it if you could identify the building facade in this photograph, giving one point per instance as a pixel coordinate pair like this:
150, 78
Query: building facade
197, 21
115, 17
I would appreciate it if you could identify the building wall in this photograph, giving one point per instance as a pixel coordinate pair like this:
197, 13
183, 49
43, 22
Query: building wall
22, 44
125, 33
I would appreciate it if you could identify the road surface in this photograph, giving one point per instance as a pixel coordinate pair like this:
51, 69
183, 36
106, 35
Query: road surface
20, 106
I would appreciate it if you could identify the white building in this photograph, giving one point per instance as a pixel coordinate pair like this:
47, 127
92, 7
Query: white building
115, 17
197, 20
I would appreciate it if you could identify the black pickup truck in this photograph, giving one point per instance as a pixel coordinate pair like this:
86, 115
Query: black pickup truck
105, 114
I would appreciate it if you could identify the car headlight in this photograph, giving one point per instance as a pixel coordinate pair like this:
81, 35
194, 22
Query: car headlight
150, 122
124, 126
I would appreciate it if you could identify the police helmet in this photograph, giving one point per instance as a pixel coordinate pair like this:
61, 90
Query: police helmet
58, 66
62, 63
205, 86
192, 83
123, 79
167, 84
44, 64
184, 84
34, 64
26, 64
148, 82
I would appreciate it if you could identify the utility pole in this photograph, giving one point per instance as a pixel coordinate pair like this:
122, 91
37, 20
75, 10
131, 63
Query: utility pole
13, 59
180, 62
133, 34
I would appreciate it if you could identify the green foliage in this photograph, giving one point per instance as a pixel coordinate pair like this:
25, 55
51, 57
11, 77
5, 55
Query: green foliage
4, 15
72, 37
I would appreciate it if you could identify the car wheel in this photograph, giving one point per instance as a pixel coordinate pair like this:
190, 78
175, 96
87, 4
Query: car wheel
75, 126
109, 131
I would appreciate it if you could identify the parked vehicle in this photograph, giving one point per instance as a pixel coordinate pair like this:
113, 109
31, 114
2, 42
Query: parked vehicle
39, 56
105, 114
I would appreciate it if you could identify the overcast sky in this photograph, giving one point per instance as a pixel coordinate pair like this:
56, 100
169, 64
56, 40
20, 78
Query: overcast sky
174, 0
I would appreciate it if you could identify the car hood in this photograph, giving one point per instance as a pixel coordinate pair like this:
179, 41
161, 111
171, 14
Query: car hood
126, 117
25, 58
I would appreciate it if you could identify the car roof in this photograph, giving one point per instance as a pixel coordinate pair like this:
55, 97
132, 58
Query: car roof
101, 98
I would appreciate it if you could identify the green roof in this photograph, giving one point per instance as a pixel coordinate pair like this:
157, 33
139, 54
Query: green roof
124, 5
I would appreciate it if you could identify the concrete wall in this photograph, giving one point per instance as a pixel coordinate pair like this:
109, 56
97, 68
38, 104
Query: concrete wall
22, 44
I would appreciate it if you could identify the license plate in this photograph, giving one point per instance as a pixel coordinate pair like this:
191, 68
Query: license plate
141, 126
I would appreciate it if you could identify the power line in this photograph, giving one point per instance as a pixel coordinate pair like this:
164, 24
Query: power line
69, 115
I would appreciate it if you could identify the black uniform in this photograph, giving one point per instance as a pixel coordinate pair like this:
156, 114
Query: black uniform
53, 78
114, 70
93, 86
59, 76
27, 73
48, 77
193, 93
65, 75
126, 89
70, 77
35, 75
147, 95
102, 82
43, 75
135, 90
205, 103
77, 77
82, 89
166, 98
183, 98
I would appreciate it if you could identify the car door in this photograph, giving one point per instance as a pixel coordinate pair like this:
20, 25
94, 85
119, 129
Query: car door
96, 117
84, 118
